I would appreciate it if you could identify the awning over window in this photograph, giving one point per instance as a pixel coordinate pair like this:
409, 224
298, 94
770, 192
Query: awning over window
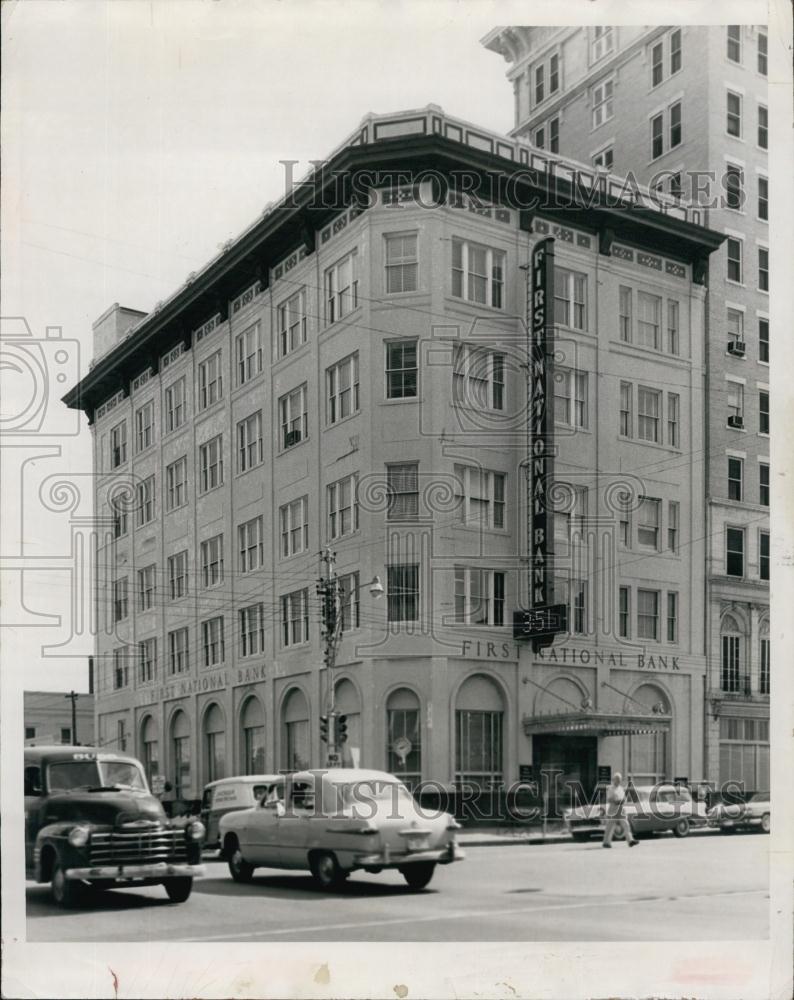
595, 724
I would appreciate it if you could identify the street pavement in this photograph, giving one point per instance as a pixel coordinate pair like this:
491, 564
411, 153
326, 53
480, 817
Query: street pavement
698, 888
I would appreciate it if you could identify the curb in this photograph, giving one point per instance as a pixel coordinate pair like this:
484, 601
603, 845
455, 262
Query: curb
539, 841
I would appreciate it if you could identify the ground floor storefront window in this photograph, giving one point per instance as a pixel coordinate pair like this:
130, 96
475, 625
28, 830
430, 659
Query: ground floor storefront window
744, 752
479, 748
648, 758
404, 740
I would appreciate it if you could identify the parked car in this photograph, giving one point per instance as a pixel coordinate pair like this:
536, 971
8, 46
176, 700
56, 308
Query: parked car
91, 821
227, 794
649, 809
742, 811
337, 821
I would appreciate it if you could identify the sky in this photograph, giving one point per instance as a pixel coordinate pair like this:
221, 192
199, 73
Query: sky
138, 137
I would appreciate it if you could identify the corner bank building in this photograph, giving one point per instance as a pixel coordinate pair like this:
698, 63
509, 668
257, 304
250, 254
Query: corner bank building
351, 372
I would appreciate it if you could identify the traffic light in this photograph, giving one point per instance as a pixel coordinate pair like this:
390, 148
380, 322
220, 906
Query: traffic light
340, 727
324, 728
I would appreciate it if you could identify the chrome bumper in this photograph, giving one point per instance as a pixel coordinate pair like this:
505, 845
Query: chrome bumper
388, 859
160, 869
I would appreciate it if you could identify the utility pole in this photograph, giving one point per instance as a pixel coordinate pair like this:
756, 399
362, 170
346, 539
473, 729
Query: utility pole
328, 590
73, 696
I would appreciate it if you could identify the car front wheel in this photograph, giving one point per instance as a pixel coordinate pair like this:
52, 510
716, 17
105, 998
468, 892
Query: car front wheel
766, 823
326, 870
178, 889
239, 868
681, 829
65, 892
418, 874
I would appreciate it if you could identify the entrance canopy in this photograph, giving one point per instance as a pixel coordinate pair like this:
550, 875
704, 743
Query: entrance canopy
596, 724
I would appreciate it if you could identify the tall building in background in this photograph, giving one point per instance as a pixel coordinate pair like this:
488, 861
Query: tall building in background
684, 109
351, 372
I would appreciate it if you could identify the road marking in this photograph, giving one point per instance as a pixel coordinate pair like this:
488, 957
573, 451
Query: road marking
461, 915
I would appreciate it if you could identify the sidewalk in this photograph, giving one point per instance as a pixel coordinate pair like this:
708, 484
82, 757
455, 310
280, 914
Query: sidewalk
501, 836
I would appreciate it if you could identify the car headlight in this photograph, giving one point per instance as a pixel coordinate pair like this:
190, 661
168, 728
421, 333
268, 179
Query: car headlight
195, 830
78, 836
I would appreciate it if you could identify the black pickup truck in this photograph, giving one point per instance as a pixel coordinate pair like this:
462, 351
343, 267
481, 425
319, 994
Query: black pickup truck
91, 822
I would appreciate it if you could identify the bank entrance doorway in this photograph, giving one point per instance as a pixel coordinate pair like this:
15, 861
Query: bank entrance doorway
573, 759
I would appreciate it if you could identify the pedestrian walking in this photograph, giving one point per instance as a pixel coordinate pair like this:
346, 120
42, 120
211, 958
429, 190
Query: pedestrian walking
616, 796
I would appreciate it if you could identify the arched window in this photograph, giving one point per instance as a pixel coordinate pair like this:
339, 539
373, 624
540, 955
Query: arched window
479, 723
404, 736
348, 703
252, 725
732, 655
149, 748
647, 762
215, 743
296, 742
180, 750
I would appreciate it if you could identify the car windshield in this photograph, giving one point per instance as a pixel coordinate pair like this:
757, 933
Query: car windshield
90, 775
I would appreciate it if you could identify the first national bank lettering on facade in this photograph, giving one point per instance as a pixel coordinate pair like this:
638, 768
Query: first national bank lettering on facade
540, 310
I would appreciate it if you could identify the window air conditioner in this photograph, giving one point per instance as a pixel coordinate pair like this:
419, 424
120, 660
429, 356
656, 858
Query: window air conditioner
736, 422
736, 347
291, 438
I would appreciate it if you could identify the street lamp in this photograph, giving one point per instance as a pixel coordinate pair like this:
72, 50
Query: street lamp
330, 592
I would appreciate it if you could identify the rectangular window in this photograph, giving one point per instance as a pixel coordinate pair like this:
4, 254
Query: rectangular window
735, 476
729, 673
292, 323
735, 42
118, 445
734, 551
293, 417
601, 43
734, 187
212, 561
118, 512
763, 484
252, 630
478, 273
657, 64
540, 138
735, 397
648, 405
676, 185
178, 653
480, 496
250, 446
675, 125
673, 339
763, 555
144, 427
624, 313
624, 612
763, 198
349, 601
249, 354
735, 320
570, 398
763, 269
649, 320
734, 247
144, 501
673, 518
402, 487
210, 380
540, 89
176, 484
250, 544
734, 114
648, 614
657, 136
147, 660
211, 464
675, 51
121, 671
554, 74
479, 748
570, 298
478, 378
402, 593
341, 288
294, 527
762, 53
763, 686
479, 596
648, 523
175, 405
212, 641
402, 268
578, 617
295, 617
763, 412
673, 419
343, 507
763, 340
401, 369
343, 392
120, 599
554, 135
604, 159
763, 126
625, 409
603, 102
672, 617
177, 575
146, 587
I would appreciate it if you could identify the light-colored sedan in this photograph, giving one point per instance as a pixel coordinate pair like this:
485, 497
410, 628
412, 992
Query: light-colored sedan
336, 821
648, 808
754, 812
